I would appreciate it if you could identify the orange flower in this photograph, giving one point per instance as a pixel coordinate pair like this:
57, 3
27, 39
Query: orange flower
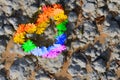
30, 28
57, 6
48, 11
21, 28
42, 18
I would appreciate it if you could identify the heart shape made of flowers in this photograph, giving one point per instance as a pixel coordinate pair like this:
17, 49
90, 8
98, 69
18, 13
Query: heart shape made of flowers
54, 12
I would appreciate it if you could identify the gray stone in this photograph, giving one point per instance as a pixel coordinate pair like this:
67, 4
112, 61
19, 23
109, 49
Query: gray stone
13, 22
86, 15
17, 49
106, 23
14, 74
99, 65
72, 17
69, 4
43, 78
69, 1
41, 75
91, 1
2, 32
21, 69
103, 76
116, 52
113, 30
74, 70
2, 77
1, 66
8, 29
93, 75
88, 7
100, 11
76, 78
47, 64
77, 65
52, 1
101, 3
112, 7
113, 65
111, 75
115, 1
2, 49
91, 53
10, 6
89, 27
75, 45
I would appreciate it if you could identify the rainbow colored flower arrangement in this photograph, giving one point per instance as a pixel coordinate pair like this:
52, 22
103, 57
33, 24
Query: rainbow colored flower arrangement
54, 12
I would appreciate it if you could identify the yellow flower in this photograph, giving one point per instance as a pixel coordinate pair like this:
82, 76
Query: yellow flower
19, 38
58, 11
60, 18
40, 30
42, 25
30, 28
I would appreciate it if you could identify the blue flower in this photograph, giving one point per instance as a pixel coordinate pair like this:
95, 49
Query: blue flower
44, 50
37, 52
56, 45
51, 48
61, 39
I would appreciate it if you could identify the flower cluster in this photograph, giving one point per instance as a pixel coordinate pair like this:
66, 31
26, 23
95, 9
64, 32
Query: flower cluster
54, 12
22, 30
55, 49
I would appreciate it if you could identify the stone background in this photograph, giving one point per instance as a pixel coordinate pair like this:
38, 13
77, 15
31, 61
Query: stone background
93, 44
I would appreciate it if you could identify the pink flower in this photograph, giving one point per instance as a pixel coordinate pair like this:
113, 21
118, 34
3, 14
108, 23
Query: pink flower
55, 52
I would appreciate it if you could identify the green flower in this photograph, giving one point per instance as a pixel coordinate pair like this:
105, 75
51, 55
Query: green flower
60, 33
28, 46
62, 26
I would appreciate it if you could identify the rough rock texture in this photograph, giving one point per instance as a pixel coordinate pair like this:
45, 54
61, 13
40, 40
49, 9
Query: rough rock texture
52, 65
93, 44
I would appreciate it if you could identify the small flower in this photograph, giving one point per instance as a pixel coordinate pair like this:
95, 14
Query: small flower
42, 25
40, 30
55, 52
44, 50
19, 38
30, 28
44, 8
57, 6
28, 46
57, 11
61, 27
37, 51
42, 18
61, 39
21, 28
47, 10
59, 33
60, 18
50, 48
